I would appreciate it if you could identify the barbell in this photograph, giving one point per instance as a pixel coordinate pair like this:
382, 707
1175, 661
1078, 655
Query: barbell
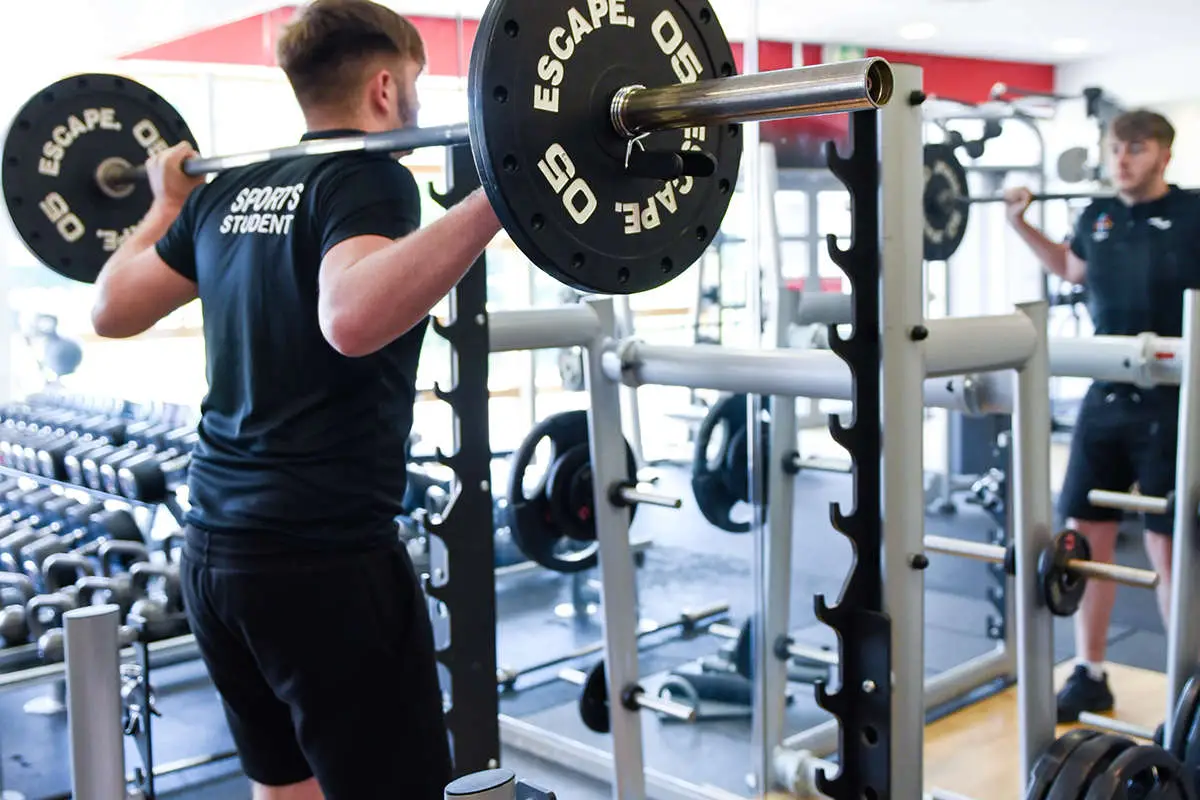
605, 134
947, 201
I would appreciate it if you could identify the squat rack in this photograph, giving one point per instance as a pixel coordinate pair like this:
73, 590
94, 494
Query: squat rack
910, 351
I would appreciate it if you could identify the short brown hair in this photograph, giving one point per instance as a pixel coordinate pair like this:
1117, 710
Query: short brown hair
1141, 126
328, 46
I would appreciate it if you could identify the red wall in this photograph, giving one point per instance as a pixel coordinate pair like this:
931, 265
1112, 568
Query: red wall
448, 43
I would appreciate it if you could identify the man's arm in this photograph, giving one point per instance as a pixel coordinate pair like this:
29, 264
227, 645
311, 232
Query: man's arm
136, 288
373, 290
1058, 257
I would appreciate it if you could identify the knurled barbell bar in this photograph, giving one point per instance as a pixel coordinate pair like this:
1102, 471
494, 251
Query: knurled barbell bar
1064, 567
611, 175
947, 201
688, 621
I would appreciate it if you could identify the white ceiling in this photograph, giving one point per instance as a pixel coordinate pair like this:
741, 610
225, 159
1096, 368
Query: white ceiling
1014, 29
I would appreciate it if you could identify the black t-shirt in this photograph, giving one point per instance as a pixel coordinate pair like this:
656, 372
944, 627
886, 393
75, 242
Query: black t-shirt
1140, 260
299, 445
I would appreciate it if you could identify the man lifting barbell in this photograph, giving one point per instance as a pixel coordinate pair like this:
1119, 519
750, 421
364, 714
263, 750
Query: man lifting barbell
1137, 253
316, 282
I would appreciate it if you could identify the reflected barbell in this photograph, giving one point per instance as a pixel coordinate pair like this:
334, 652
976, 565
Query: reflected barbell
1064, 567
612, 178
947, 201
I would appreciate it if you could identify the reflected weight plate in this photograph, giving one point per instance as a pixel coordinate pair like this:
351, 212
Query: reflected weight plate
58, 142
542, 78
945, 220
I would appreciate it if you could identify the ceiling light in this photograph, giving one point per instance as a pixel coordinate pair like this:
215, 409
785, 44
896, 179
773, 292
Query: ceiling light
918, 30
1069, 45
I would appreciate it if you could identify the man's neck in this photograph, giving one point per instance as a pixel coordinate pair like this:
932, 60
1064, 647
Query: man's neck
1156, 191
316, 123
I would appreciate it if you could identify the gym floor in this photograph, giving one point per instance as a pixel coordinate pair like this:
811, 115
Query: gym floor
690, 564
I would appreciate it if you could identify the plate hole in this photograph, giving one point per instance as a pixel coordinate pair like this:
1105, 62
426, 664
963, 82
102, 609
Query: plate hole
667, 265
870, 736
734, 130
24, 125
16, 202
47, 97
726, 69
512, 28
702, 234
13, 161
500, 94
577, 261
81, 82
623, 275
510, 164
705, 16
537, 222
723, 186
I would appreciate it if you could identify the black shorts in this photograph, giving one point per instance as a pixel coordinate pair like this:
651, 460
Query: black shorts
325, 665
1123, 436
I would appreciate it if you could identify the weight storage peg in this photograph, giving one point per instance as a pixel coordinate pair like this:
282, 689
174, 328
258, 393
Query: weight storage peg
611, 175
1063, 568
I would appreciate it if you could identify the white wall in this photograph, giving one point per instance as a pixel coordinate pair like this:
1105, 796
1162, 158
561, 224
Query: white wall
1146, 78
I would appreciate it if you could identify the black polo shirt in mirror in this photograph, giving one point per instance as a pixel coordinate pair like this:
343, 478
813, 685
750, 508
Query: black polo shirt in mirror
297, 442
1140, 260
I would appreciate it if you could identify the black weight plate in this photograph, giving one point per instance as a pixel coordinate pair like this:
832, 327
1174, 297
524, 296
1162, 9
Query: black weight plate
1063, 590
570, 495
1088, 761
593, 701
715, 496
532, 522
54, 148
542, 78
1190, 761
1185, 714
1139, 771
1048, 765
945, 220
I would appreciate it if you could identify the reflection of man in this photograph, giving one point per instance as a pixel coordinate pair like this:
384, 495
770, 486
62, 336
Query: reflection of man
1136, 253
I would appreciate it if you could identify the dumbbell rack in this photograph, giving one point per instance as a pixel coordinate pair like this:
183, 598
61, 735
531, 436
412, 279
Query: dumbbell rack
138, 704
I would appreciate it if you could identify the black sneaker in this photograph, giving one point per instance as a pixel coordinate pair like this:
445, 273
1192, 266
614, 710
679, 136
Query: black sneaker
1082, 693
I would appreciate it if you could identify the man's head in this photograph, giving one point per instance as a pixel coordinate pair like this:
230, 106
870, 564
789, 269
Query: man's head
353, 63
1139, 149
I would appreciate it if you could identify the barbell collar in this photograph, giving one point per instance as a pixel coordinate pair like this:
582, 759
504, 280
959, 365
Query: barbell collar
858, 85
1130, 576
625, 495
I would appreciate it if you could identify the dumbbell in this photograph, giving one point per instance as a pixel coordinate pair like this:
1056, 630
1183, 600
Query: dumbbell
158, 590
97, 430
15, 591
178, 442
91, 464
153, 479
28, 549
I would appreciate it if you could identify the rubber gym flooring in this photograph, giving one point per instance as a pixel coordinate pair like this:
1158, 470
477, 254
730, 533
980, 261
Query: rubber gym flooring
690, 564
